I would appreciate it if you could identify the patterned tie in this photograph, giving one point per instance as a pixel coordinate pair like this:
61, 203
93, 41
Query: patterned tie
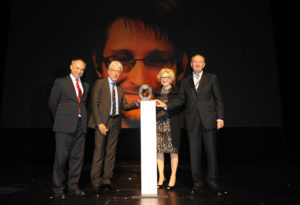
197, 82
113, 100
79, 94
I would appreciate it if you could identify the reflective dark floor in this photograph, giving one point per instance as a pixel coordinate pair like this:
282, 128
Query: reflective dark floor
251, 183
257, 166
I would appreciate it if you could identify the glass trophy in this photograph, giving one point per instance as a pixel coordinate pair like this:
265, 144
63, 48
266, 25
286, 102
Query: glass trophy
145, 92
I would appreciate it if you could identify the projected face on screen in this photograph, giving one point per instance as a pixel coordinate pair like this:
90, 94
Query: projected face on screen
143, 53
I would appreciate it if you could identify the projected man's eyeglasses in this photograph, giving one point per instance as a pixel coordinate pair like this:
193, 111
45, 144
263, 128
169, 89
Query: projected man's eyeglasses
129, 62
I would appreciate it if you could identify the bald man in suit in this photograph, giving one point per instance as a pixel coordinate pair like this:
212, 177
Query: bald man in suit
107, 102
67, 103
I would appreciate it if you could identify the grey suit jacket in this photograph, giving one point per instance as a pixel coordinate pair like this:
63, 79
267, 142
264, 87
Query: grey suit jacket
206, 101
64, 105
101, 103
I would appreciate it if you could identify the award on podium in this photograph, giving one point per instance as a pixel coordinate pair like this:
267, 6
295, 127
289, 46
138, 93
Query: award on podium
148, 144
145, 92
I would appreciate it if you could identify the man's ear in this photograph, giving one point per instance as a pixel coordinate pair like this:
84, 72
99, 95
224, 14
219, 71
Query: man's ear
97, 65
184, 61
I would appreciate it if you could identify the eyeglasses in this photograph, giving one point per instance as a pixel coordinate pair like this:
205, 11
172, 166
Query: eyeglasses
114, 70
129, 62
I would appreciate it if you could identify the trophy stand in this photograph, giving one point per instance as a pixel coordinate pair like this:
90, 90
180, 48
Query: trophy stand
148, 146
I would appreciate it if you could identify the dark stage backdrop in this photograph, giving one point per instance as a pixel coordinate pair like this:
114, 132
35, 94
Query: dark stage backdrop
235, 36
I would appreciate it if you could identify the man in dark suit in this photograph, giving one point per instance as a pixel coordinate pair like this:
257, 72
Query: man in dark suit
107, 102
204, 114
67, 103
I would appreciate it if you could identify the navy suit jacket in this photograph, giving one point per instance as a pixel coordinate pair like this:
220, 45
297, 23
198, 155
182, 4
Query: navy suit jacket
64, 105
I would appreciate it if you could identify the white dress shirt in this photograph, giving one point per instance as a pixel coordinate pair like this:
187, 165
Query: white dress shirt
197, 79
74, 83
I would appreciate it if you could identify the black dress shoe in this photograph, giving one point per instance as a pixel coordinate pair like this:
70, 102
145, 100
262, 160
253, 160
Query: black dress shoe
77, 192
59, 196
96, 189
160, 186
170, 187
107, 187
214, 188
198, 187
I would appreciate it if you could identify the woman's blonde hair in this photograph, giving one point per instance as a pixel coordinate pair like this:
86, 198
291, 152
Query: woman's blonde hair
169, 71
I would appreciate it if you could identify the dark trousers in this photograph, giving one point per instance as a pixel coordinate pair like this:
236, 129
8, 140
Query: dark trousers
105, 153
69, 147
198, 136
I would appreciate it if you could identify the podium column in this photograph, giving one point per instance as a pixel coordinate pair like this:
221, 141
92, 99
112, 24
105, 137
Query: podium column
148, 149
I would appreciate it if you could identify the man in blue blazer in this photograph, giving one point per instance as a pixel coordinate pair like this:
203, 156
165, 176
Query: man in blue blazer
67, 103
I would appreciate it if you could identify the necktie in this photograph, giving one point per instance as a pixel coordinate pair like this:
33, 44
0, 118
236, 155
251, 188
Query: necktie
197, 82
79, 94
113, 100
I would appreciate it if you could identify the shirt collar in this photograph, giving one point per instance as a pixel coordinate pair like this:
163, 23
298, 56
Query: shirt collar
73, 78
200, 74
111, 81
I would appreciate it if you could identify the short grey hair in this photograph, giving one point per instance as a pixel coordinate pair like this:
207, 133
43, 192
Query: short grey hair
115, 63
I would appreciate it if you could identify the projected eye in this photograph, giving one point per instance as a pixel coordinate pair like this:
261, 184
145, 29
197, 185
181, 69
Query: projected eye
129, 62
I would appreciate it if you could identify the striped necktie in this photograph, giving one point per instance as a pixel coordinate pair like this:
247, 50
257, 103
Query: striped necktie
113, 100
197, 81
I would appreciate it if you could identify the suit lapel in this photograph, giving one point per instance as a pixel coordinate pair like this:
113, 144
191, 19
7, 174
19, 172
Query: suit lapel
191, 84
202, 82
84, 89
107, 90
71, 87
119, 96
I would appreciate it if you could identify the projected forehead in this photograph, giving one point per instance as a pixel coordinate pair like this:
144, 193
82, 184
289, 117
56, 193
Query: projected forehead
135, 38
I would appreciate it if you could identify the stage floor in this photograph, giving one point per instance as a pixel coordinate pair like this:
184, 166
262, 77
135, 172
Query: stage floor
243, 184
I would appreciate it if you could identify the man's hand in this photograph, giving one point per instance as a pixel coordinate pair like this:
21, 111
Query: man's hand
103, 129
160, 103
220, 124
137, 102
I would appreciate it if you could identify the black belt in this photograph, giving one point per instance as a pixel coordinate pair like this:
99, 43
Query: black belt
113, 116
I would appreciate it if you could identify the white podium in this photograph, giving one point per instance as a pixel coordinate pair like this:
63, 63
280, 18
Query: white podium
148, 150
